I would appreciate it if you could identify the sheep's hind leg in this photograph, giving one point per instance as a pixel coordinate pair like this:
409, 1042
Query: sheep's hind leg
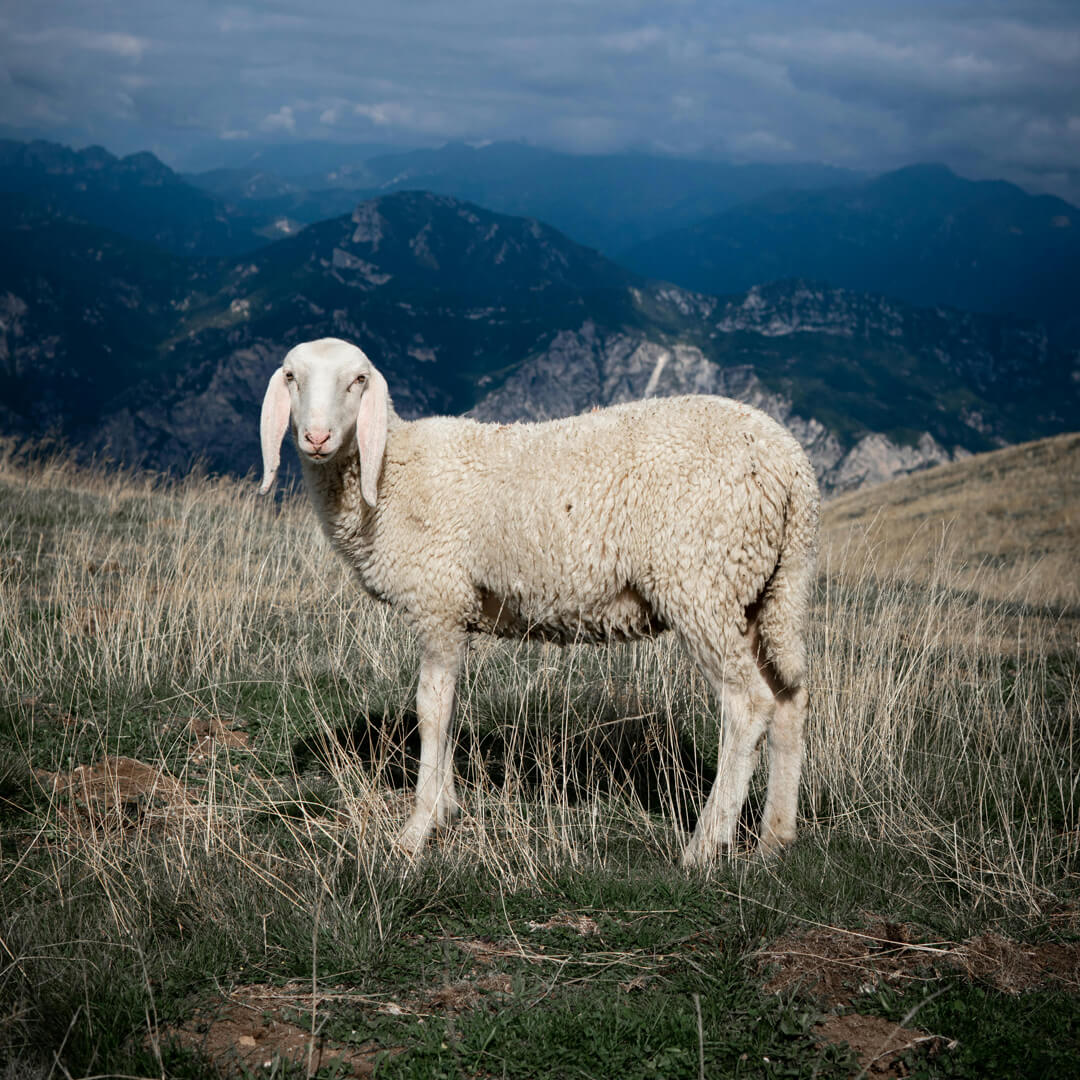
785, 766
436, 796
746, 704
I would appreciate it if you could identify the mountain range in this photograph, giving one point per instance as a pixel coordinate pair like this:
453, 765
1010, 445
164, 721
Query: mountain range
606, 201
137, 196
121, 348
920, 234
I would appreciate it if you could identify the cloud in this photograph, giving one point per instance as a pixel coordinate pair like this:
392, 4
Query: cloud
282, 120
387, 114
987, 85
637, 40
760, 145
71, 37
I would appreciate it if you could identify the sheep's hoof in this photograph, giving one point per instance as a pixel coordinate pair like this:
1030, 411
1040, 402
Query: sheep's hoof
691, 859
447, 813
410, 841
697, 856
772, 842
771, 846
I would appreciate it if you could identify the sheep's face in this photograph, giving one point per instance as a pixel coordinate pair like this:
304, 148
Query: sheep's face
334, 397
326, 381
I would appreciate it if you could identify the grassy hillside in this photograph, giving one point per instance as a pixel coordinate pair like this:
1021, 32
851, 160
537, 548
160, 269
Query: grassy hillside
1008, 521
205, 735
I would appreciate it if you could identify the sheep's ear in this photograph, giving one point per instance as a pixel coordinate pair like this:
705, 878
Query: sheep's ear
371, 434
272, 424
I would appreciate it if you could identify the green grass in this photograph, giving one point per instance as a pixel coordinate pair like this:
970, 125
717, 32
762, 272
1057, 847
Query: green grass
551, 932
990, 1033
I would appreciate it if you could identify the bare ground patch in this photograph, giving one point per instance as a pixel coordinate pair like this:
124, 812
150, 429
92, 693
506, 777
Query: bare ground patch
211, 733
255, 1027
840, 966
116, 791
250, 1032
875, 1041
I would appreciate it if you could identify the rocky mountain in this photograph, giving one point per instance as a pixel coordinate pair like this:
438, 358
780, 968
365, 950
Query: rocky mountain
921, 234
83, 312
467, 310
607, 201
871, 387
135, 195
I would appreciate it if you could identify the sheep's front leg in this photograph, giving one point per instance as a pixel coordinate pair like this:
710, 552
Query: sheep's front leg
436, 797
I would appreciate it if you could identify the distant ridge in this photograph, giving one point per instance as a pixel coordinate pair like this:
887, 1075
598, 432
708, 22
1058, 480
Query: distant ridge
137, 195
120, 348
921, 234
605, 201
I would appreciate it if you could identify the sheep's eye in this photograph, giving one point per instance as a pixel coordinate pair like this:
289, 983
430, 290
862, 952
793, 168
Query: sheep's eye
358, 381
290, 377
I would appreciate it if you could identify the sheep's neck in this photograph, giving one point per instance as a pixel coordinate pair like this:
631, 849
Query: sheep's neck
334, 490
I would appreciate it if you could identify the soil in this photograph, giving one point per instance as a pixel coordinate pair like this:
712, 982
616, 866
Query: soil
125, 791
254, 1027
117, 790
875, 1041
839, 967
239, 1035
211, 733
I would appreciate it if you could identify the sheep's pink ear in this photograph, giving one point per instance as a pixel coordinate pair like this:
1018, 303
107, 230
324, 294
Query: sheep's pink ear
371, 434
272, 424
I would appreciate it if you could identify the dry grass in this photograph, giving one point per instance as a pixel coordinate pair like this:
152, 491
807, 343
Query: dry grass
1009, 521
939, 730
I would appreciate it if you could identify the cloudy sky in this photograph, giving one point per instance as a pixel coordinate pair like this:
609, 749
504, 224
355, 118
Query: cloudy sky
991, 87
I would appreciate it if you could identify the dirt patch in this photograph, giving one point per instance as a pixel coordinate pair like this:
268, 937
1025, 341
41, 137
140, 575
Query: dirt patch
240, 1037
212, 733
839, 966
117, 791
1015, 967
256, 1027
876, 1042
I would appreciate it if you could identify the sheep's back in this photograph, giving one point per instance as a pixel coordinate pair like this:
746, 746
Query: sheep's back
609, 523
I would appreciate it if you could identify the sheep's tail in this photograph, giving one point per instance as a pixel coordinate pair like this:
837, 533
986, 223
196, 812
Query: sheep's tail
785, 607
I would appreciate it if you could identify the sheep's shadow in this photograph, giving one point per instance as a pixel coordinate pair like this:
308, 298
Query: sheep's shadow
634, 755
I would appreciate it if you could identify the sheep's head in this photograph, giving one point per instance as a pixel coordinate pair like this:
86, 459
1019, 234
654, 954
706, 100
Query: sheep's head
333, 395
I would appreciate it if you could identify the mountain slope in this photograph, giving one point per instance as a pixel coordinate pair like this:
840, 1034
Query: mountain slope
870, 386
136, 195
82, 313
439, 293
466, 310
1009, 518
607, 201
921, 234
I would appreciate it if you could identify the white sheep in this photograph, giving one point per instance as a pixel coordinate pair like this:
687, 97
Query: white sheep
698, 514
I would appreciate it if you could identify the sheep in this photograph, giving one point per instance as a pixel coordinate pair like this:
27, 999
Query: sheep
696, 514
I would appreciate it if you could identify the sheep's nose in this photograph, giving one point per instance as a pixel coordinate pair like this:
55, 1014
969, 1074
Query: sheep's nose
317, 438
